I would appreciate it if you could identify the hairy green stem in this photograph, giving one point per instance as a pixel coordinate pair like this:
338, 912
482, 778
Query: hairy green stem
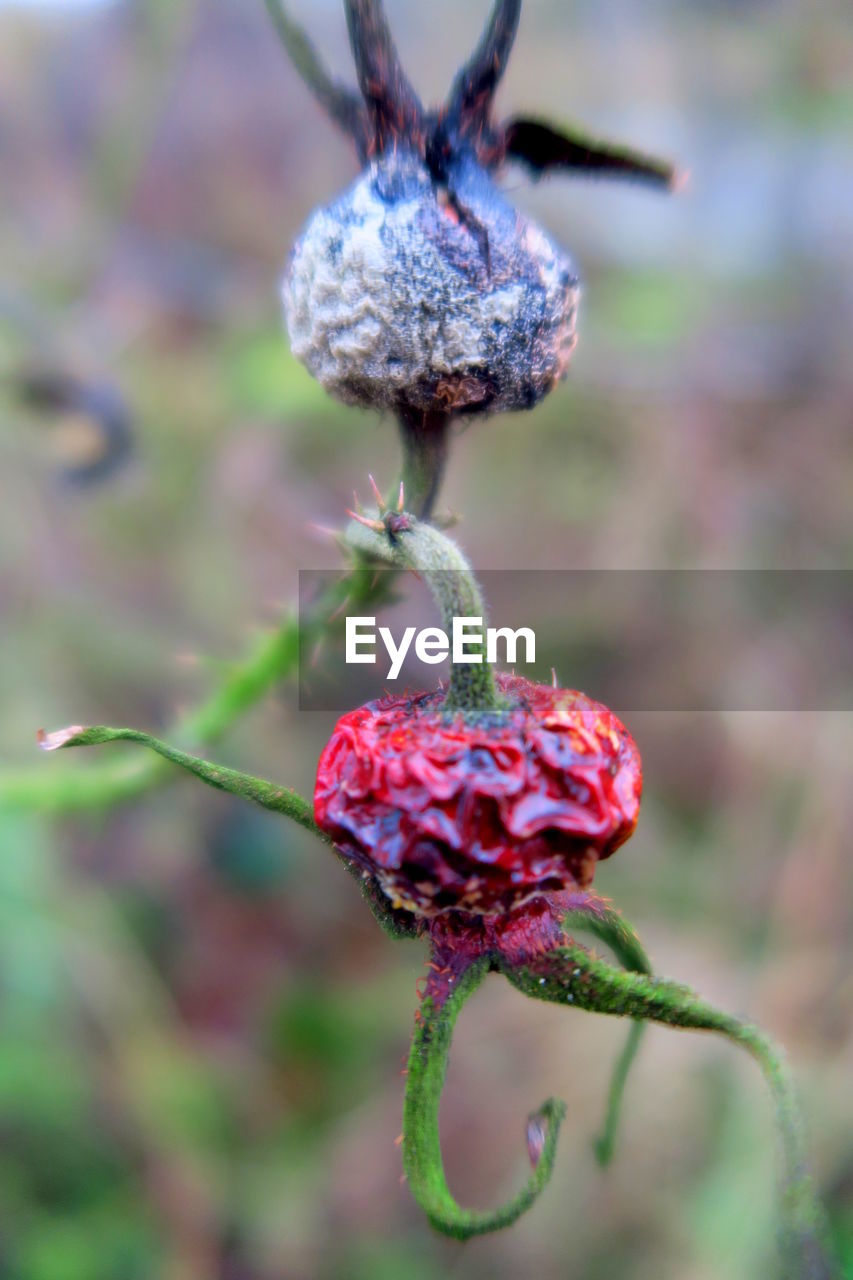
571, 975
599, 919
281, 800
260, 792
422, 1160
403, 542
74, 790
428, 1065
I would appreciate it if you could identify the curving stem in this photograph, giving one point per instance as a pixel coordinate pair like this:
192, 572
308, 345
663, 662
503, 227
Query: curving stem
453, 977
266, 794
283, 800
570, 974
401, 541
422, 1160
595, 916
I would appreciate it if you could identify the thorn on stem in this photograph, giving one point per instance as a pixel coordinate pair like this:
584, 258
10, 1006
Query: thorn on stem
324, 531
340, 610
317, 653
380, 501
376, 525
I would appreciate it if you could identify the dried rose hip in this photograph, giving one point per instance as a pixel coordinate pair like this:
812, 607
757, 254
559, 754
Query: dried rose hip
479, 814
393, 301
422, 289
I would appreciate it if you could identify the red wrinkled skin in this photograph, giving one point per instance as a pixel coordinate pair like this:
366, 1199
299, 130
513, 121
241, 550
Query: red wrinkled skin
479, 815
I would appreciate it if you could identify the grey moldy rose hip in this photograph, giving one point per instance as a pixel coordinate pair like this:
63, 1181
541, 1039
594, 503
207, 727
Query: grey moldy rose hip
391, 300
421, 288
479, 813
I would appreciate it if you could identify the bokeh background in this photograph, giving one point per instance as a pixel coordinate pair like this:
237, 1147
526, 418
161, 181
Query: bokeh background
201, 1030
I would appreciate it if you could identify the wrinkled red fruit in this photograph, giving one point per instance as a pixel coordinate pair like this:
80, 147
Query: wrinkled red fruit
479, 815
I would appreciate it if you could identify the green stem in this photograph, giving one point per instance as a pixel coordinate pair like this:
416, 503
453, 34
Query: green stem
260, 792
282, 800
425, 438
604, 1145
273, 658
74, 790
421, 1145
572, 975
403, 542
597, 918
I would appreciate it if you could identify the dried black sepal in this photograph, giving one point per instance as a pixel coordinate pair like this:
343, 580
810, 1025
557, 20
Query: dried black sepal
390, 114
542, 147
473, 91
394, 108
344, 105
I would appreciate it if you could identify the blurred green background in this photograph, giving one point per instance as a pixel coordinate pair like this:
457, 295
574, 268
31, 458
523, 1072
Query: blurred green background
201, 1029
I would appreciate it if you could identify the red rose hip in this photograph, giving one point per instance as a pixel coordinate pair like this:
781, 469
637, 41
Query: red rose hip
479, 814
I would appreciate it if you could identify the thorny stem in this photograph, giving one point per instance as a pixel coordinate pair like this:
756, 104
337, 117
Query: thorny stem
98, 787
403, 542
425, 438
571, 975
422, 1160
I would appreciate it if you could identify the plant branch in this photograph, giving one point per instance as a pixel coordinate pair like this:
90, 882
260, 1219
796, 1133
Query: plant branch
268, 795
392, 103
403, 542
422, 1160
596, 917
572, 975
273, 659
